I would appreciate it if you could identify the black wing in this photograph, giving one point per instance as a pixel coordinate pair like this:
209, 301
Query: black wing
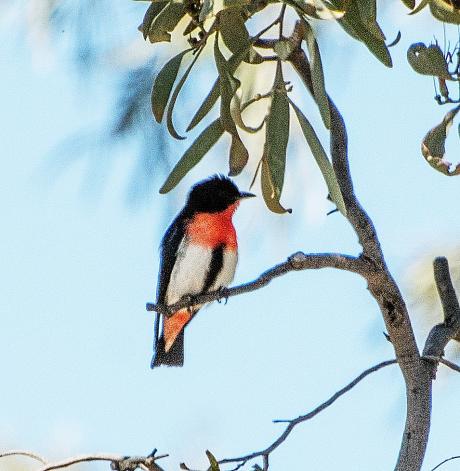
169, 247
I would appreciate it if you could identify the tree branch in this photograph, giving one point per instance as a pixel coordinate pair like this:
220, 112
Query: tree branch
296, 262
440, 334
382, 286
265, 453
118, 463
445, 362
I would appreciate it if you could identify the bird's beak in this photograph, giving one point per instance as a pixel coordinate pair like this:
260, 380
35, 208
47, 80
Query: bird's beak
245, 194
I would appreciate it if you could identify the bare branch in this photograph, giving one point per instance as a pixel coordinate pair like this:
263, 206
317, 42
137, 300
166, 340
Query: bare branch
23, 453
440, 334
293, 422
445, 461
296, 262
118, 463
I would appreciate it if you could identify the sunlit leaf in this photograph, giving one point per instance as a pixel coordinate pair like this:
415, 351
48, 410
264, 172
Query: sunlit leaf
277, 132
212, 461
163, 84
165, 22
269, 194
235, 110
420, 7
317, 75
152, 11
236, 36
175, 94
409, 3
214, 94
428, 60
283, 48
321, 158
445, 11
193, 155
433, 145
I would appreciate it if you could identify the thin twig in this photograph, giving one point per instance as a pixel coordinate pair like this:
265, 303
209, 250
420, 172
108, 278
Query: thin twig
297, 261
118, 463
23, 453
445, 461
445, 362
293, 422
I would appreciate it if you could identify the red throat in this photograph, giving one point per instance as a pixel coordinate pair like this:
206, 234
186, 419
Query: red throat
213, 229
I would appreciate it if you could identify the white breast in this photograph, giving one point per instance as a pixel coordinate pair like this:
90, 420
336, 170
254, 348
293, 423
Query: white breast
191, 268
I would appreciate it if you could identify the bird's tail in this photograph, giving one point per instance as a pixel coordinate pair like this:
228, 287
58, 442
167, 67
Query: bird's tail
169, 348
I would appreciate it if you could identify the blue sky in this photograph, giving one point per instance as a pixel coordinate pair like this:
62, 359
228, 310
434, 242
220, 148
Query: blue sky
78, 265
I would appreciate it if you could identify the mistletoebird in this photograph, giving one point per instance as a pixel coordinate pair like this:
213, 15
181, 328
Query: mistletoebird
199, 252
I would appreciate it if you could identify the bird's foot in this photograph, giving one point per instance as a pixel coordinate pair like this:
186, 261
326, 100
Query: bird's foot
223, 295
191, 301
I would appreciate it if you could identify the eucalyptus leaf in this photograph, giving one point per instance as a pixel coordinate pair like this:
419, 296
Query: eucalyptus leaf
409, 3
277, 131
163, 84
371, 36
433, 145
212, 461
367, 10
420, 7
193, 155
165, 22
169, 121
321, 158
428, 60
206, 9
445, 12
236, 36
236, 111
214, 94
228, 86
152, 11
317, 75
268, 191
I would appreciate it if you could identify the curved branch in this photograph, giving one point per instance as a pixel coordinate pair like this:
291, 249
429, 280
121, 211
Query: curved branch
445, 461
23, 453
118, 463
296, 262
440, 334
303, 418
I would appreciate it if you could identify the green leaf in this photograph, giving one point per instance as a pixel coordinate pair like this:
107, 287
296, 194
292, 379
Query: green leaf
268, 190
165, 22
428, 60
321, 158
373, 38
236, 112
212, 461
214, 94
193, 155
317, 75
163, 84
368, 12
152, 11
445, 11
236, 36
420, 7
277, 132
283, 48
409, 3
433, 145
169, 121
228, 86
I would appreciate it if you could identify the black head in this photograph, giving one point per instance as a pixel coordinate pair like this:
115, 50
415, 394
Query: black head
214, 195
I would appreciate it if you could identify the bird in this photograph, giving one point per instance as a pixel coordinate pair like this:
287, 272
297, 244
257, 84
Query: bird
198, 254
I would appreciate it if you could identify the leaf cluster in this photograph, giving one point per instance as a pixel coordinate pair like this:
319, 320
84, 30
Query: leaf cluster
226, 23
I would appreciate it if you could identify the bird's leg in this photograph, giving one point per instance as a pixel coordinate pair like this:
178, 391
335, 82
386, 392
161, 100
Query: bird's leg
223, 294
191, 302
